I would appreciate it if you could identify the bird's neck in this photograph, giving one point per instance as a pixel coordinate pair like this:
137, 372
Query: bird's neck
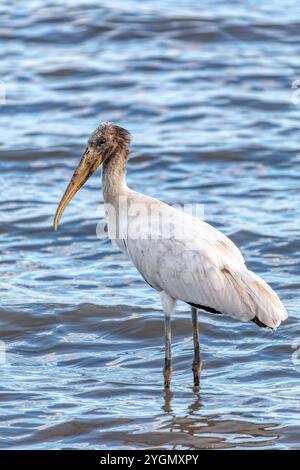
114, 176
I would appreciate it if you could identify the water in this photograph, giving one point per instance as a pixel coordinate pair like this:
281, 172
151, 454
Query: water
206, 92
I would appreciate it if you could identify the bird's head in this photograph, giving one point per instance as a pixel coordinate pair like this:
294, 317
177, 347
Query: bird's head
107, 141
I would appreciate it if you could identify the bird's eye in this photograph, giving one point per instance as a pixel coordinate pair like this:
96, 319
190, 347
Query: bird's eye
101, 141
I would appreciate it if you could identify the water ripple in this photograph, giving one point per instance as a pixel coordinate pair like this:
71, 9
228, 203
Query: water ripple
206, 94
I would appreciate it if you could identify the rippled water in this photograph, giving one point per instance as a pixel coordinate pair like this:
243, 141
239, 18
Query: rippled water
206, 92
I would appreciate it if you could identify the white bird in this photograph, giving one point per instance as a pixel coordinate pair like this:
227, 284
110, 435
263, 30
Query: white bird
180, 256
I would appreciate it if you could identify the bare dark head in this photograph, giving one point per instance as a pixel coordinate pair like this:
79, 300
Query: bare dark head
109, 140
108, 143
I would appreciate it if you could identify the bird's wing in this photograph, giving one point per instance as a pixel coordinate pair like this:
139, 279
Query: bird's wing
196, 263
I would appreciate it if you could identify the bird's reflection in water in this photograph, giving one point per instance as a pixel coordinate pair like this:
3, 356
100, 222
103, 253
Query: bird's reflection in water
198, 430
196, 403
193, 407
168, 396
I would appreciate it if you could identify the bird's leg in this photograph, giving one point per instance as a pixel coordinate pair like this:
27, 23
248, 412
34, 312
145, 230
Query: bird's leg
197, 359
168, 304
168, 369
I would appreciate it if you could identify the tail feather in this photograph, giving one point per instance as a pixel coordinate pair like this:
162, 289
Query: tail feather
267, 308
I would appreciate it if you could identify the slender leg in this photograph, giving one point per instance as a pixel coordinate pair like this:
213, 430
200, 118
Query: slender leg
197, 359
168, 304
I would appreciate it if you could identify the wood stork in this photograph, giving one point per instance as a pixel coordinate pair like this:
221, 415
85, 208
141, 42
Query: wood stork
202, 268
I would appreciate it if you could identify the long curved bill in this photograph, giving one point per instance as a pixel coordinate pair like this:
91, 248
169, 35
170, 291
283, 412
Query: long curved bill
88, 164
